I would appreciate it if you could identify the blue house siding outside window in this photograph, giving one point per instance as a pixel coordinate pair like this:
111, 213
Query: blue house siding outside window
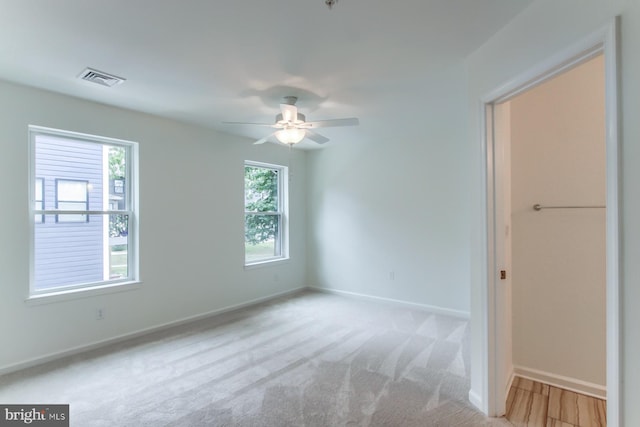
69, 249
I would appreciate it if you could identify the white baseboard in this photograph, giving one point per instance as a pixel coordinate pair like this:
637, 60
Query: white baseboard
97, 344
512, 378
475, 400
560, 381
432, 308
501, 407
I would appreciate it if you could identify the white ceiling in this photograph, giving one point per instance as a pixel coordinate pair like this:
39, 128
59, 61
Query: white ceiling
208, 61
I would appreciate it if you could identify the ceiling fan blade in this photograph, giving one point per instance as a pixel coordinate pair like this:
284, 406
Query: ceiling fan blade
263, 140
248, 123
352, 121
289, 112
316, 137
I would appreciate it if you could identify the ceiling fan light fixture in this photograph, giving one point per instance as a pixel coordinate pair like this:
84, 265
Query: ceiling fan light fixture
290, 135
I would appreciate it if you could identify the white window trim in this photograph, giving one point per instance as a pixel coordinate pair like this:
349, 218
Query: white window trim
283, 204
131, 190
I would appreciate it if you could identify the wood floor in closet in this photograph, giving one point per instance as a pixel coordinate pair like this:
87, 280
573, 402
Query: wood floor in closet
531, 403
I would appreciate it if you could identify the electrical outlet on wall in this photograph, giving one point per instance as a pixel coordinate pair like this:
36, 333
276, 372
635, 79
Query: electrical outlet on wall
99, 313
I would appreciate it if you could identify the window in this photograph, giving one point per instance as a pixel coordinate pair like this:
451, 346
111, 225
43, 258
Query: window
72, 195
39, 198
265, 213
88, 238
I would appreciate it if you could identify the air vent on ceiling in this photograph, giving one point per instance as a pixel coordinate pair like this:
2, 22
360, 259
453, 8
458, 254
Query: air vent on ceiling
100, 77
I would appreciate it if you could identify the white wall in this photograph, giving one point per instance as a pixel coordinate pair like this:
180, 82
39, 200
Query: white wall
397, 203
191, 229
544, 29
559, 277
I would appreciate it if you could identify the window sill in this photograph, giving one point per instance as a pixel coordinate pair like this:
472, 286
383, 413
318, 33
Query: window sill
71, 294
266, 263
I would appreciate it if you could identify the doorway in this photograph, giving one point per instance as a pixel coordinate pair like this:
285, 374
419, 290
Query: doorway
551, 141
500, 364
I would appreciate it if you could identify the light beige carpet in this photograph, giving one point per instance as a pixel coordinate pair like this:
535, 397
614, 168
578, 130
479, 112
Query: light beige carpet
312, 359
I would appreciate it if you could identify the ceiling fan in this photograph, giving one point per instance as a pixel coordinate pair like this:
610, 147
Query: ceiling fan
292, 126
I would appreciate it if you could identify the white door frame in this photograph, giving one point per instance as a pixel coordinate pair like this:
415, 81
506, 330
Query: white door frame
604, 41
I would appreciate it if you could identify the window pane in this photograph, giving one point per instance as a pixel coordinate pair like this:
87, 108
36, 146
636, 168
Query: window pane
67, 253
74, 254
261, 237
260, 189
75, 169
118, 246
118, 226
117, 178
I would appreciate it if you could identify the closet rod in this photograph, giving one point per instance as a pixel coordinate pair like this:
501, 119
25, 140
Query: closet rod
538, 207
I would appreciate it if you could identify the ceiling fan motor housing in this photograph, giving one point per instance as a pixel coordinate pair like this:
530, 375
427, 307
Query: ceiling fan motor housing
290, 100
301, 119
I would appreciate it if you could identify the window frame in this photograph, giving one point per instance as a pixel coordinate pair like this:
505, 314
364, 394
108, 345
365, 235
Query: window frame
131, 194
282, 213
